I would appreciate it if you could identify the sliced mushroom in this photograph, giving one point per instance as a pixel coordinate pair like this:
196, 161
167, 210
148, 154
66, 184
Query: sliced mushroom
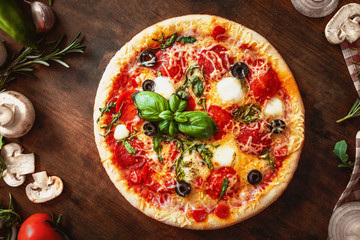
17, 114
17, 164
44, 188
344, 25
315, 8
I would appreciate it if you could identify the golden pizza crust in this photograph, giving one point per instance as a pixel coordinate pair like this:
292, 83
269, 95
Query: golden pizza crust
204, 24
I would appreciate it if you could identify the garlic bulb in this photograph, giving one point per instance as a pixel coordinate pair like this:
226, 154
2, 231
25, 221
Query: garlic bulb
43, 16
3, 53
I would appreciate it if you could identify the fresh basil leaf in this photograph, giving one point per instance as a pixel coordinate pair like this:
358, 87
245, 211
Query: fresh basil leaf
206, 155
164, 126
167, 115
150, 105
157, 147
182, 95
188, 39
202, 102
199, 125
105, 109
340, 151
224, 187
247, 113
182, 106
197, 86
128, 147
180, 117
173, 129
166, 42
174, 102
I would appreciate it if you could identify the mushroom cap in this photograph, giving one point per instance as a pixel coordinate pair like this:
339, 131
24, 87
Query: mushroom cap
13, 180
24, 114
345, 24
315, 8
44, 188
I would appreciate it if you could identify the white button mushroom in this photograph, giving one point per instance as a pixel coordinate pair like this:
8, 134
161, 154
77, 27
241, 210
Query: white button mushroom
344, 25
17, 164
44, 188
17, 114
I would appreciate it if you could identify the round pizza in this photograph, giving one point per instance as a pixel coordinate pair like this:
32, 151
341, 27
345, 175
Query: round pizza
199, 122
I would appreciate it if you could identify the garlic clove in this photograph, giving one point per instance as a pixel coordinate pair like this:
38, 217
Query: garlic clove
43, 16
3, 53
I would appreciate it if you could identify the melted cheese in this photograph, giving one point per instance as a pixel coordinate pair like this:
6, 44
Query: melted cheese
224, 155
275, 108
230, 89
164, 86
121, 132
194, 167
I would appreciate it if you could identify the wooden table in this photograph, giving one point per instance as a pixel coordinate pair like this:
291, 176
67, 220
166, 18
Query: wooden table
63, 142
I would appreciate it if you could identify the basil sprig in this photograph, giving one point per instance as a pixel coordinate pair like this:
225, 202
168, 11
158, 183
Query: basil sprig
125, 142
169, 41
172, 117
340, 151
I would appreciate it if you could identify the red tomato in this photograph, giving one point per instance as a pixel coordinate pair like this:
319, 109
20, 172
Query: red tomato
264, 87
209, 61
125, 159
199, 215
254, 139
222, 119
216, 178
222, 211
218, 32
34, 228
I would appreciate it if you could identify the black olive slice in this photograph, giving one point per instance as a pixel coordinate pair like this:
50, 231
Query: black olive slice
148, 59
149, 129
182, 188
277, 126
254, 177
148, 85
239, 70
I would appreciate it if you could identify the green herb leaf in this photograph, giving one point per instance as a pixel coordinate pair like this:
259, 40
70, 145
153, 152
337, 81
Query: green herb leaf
164, 126
21, 63
150, 105
199, 125
197, 86
224, 187
174, 102
173, 129
182, 106
105, 109
179, 164
354, 111
182, 95
108, 127
8, 216
340, 151
158, 73
166, 115
128, 147
202, 102
157, 147
180, 117
188, 39
267, 156
247, 113
206, 155
166, 42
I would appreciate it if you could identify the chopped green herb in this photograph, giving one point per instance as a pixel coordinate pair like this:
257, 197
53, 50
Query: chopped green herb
188, 39
105, 109
202, 102
247, 113
127, 144
224, 187
157, 147
267, 156
340, 151
108, 127
206, 155
166, 42
158, 73
354, 111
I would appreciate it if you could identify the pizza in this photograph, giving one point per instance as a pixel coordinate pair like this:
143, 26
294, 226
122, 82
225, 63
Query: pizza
199, 122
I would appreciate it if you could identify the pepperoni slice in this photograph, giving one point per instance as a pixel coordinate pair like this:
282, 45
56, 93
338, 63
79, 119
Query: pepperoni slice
199, 215
125, 159
135, 176
128, 110
222, 119
254, 138
215, 60
168, 66
222, 211
215, 181
218, 32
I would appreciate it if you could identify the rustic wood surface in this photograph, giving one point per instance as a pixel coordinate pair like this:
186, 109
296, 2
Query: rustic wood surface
63, 142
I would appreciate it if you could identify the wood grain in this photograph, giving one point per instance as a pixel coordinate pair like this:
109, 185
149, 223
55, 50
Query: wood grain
62, 137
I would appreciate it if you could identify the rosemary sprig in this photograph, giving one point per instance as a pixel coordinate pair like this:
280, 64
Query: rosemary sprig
354, 111
23, 61
9, 217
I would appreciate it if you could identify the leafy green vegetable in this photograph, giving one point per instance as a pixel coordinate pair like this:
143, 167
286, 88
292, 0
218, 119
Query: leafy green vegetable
21, 63
182, 106
108, 127
128, 147
105, 109
9, 217
166, 42
167, 115
202, 103
182, 94
354, 111
174, 102
157, 147
164, 126
173, 129
180, 117
188, 39
206, 155
199, 125
150, 105
247, 113
197, 86
340, 151
224, 187
267, 156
